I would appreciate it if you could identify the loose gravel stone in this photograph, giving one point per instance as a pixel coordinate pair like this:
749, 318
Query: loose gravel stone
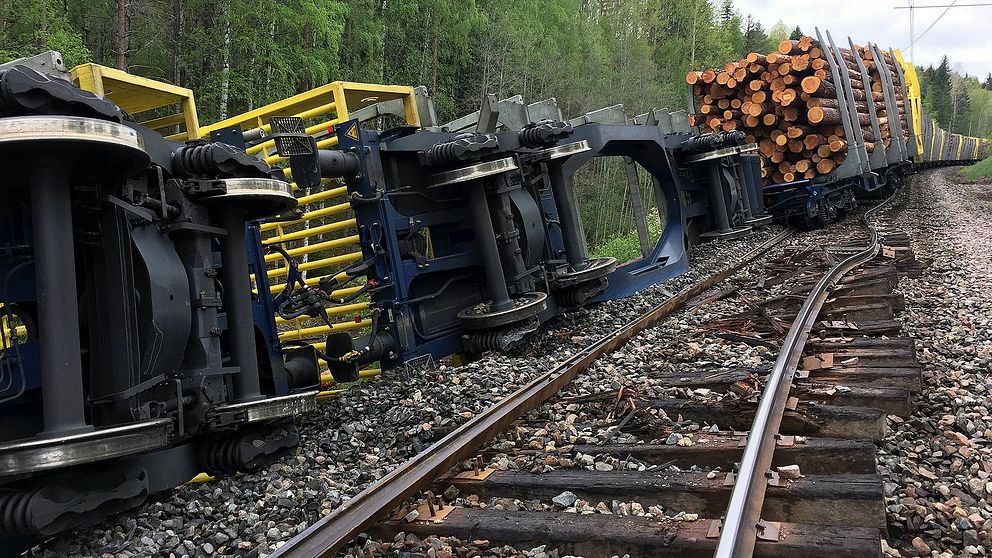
360, 436
565, 499
936, 465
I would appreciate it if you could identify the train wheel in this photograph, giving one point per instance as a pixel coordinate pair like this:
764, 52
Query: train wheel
817, 216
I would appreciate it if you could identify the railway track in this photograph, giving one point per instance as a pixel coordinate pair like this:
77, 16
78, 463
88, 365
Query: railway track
806, 481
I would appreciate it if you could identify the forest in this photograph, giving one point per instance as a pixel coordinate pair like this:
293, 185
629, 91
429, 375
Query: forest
959, 102
240, 54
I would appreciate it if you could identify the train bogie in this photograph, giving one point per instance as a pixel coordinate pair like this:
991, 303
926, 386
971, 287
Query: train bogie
129, 327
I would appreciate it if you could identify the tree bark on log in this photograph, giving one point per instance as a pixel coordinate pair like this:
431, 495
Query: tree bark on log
820, 115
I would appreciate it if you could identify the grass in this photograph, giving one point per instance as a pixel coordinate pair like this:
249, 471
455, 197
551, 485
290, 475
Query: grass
979, 171
976, 181
627, 247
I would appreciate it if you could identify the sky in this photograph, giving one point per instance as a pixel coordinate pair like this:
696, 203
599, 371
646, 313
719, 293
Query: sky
962, 33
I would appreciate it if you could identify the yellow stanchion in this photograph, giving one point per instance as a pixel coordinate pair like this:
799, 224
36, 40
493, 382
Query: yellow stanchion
332, 310
326, 194
314, 231
323, 330
315, 214
317, 264
313, 248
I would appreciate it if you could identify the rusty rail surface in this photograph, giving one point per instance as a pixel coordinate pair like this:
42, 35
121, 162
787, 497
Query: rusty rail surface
331, 533
742, 524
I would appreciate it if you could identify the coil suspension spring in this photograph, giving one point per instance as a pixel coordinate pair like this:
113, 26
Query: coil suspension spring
583, 293
488, 340
451, 151
573, 297
14, 506
221, 456
543, 133
441, 153
196, 159
533, 137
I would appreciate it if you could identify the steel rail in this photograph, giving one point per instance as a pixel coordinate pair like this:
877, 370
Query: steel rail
739, 531
332, 532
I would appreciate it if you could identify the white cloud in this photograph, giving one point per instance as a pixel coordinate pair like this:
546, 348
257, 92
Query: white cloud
961, 34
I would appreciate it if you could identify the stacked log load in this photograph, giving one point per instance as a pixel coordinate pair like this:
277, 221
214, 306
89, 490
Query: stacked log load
786, 102
868, 58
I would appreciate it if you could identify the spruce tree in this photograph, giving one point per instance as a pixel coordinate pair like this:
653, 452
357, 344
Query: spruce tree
755, 38
727, 11
943, 105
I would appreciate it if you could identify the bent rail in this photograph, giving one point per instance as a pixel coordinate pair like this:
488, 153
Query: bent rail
741, 527
334, 531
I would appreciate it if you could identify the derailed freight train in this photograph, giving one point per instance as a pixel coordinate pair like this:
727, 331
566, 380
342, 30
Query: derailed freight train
173, 292
169, 303
832, 123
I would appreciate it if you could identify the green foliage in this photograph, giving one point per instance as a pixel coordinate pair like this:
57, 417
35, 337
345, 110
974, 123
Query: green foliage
28, 27
978, 122
755, 38
778, 33
586, 54
979, 171
727, 11
733, 37
935, 84
626, 246
959, 104
796, 34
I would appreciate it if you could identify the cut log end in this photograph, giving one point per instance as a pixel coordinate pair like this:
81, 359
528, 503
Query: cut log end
810, 84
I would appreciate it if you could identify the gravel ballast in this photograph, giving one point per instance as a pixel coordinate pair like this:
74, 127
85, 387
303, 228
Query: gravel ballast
936, 465
356, 438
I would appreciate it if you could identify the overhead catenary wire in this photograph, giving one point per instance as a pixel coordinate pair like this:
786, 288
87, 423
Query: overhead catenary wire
952, 5
942, 14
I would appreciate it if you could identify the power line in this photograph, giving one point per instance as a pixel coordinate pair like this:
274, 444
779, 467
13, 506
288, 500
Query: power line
942, 14
912, 9
943, 6
912, 31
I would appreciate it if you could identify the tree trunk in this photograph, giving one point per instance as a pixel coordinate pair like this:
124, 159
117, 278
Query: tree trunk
225, 69
268, 59
178, 32
637, 204
120, 34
